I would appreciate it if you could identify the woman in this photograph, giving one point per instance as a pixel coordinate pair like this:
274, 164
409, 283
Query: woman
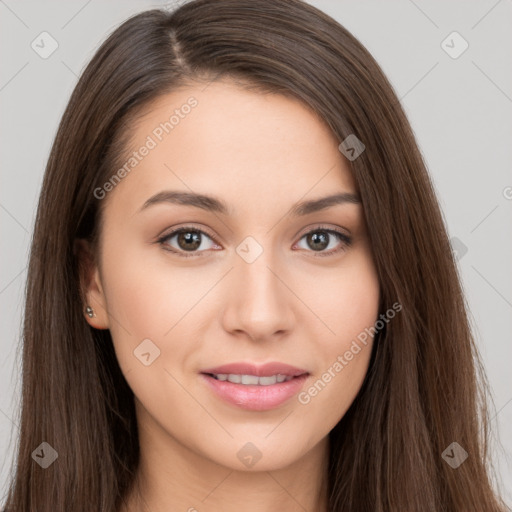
241, 292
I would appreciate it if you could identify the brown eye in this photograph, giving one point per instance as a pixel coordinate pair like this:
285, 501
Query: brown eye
318, 240
188, 239
321, 239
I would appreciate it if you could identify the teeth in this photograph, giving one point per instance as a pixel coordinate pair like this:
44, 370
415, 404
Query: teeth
247, 379
266, 381
252, 379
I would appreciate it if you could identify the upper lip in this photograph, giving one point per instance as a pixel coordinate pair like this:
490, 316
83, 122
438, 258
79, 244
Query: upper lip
264, 370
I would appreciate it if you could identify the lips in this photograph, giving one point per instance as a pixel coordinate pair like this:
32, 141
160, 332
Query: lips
265, 370
227, 383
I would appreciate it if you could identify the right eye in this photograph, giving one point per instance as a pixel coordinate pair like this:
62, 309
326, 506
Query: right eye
188, 239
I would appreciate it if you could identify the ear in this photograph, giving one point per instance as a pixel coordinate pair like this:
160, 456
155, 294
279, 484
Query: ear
91, 289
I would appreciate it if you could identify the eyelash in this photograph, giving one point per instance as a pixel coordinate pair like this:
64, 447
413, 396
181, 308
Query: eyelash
342, 237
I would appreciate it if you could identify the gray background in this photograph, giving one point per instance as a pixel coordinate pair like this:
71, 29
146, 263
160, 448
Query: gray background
460, 109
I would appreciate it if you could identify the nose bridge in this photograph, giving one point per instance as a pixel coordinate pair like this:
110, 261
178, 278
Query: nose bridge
256, 275
256, 269
259, 302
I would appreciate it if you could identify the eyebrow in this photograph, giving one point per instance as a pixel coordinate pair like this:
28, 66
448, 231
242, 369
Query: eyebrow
213, 204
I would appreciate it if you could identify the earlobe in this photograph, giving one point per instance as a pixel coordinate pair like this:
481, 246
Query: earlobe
91, 289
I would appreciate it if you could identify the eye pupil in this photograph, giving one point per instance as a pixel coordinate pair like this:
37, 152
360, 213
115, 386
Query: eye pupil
319, 239
192, 240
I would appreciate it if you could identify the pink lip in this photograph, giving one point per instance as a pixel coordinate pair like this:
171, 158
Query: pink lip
265, 370
255, 397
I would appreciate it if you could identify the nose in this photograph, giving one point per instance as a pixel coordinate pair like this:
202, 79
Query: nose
260, 303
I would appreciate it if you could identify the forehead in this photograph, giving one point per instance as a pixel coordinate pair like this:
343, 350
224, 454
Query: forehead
244, 146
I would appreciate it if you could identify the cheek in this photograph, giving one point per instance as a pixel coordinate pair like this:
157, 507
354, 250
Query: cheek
346, 299
151, 308
146, 300
348, 305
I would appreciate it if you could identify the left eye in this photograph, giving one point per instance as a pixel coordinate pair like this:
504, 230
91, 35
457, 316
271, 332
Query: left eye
320, 239
192, 240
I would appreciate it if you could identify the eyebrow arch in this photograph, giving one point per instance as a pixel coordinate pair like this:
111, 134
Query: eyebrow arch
316, 205
213, 204
203, 201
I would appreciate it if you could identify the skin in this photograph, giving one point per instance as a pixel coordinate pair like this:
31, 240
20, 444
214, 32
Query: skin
261, 154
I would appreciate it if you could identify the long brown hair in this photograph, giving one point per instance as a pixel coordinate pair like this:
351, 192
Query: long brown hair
425, 387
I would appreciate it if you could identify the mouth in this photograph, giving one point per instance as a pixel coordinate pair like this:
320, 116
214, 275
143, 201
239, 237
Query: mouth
251, 370
255, 392
252, 380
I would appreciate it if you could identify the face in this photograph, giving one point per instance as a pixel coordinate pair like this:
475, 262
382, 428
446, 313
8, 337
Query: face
251, 276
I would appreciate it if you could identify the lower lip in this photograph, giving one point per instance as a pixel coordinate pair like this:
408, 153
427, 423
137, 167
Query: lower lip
255, 398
